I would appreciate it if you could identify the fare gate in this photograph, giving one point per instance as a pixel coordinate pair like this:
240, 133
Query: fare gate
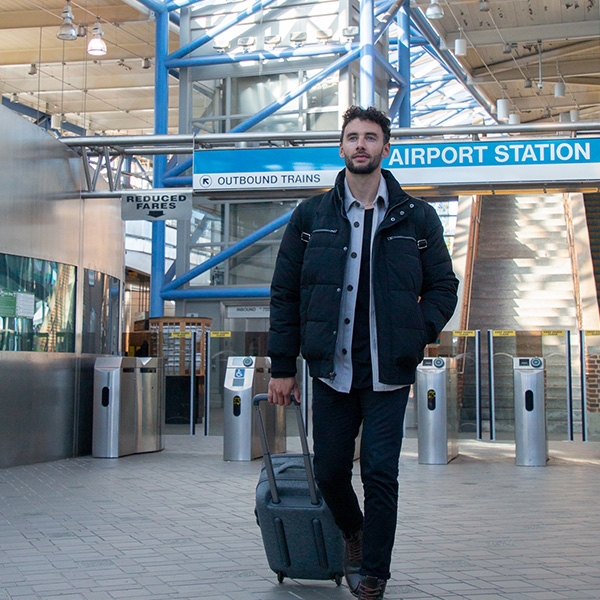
437, 408
245, 377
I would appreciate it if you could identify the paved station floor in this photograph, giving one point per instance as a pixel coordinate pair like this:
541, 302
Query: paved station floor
179, 524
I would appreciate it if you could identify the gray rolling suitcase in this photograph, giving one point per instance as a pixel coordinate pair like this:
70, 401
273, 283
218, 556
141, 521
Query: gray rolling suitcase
300, 536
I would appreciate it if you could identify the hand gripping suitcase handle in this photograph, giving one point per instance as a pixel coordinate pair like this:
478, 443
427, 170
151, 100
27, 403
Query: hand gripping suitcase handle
310, 476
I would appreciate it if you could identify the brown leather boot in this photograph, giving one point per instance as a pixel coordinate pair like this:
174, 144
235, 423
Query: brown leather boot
371, 588
353, 560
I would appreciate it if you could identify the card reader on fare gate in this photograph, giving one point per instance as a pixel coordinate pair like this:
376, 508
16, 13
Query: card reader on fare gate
247, 376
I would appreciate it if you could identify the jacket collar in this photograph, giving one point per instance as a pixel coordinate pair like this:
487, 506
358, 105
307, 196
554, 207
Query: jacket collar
396, 195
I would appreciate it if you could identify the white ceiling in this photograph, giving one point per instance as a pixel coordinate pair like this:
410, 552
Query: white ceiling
111, 94
116, 95
566, 31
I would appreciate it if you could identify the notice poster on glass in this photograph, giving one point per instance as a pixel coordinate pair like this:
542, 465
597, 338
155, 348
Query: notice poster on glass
16, 304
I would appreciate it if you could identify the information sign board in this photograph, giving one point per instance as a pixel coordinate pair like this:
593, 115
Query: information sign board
506, 160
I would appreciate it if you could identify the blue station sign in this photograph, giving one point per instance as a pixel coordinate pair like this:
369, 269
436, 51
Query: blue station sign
413, 163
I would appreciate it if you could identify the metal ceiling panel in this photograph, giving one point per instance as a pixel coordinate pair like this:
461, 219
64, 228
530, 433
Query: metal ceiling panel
505, 46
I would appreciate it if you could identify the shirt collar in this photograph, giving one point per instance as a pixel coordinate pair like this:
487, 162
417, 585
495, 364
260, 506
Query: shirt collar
382, 195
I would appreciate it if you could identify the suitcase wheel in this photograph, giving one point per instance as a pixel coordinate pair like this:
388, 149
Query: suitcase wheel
338, 579
280, 576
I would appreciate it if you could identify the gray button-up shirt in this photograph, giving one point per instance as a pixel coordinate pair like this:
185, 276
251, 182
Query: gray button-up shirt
355, 210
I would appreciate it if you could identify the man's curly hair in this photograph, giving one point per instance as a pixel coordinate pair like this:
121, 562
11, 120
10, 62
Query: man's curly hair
367, 114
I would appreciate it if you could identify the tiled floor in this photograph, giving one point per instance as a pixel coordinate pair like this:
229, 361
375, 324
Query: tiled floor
179, 524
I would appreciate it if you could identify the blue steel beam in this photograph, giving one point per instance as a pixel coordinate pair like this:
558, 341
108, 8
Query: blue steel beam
177, 4
215, 31
402, 102
397, 102
179, 168
447, 59
161, 115
431, 79
259, 55
365, 51
227, 253
385, 65
41, 118
226, 58
217, 292
382, 7
368, 57
340, 63
181, 181
286, 53
154, 5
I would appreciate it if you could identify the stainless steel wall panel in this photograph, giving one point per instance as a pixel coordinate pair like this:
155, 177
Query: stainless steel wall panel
39, 193
46, 399
43, 213
37, 406
103, 236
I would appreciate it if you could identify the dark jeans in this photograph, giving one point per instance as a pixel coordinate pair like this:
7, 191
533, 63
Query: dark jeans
336, 422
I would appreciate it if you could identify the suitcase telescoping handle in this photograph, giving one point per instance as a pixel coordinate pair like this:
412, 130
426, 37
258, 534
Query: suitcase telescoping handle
310, 476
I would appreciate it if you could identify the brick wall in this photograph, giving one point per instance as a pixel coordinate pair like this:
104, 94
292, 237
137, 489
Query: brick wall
593, 382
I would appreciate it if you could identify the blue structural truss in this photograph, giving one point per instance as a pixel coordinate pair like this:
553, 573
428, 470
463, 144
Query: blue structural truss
364, 50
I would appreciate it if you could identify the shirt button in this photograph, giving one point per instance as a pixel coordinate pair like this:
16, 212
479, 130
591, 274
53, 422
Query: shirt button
354, 255
350, 288
393, 219
347, 321
401, 212
356, 224
338, 290
345, 248
344, 351
335, 333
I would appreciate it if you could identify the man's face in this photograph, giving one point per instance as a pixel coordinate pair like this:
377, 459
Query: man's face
363, 147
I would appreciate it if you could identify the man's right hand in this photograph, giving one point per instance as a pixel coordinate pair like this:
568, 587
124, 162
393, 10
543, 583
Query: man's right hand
281, 390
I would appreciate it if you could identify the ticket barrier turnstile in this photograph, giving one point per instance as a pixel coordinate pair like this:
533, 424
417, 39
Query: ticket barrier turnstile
531, 439
437, 411
245, 377
129, 406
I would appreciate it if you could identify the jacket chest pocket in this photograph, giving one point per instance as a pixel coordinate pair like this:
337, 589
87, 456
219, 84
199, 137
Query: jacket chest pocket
322, 237
403, 263
405, 245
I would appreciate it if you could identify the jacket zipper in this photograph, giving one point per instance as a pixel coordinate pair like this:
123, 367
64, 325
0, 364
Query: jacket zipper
305, 236
400, 237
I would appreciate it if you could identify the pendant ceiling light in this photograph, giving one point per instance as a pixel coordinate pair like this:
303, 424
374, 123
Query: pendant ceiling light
97, 46
460, 45
502, 108
67, 31
434, 10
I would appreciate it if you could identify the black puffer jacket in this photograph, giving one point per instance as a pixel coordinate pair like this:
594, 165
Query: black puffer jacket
413, 284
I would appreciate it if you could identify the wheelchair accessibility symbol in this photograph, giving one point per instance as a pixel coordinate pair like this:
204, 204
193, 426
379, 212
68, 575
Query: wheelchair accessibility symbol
239, 374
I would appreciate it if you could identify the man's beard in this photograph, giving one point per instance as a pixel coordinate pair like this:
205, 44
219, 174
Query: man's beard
363, 169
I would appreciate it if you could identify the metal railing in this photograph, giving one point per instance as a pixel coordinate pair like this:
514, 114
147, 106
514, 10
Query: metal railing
107, 154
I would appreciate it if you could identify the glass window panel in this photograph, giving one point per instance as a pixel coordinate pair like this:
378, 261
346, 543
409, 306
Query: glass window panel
37, 307
101, 308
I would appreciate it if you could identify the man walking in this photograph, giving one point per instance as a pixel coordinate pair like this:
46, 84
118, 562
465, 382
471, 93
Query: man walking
363, 282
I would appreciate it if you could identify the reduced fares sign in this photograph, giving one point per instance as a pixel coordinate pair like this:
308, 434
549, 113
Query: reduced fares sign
156, 205
503, 161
